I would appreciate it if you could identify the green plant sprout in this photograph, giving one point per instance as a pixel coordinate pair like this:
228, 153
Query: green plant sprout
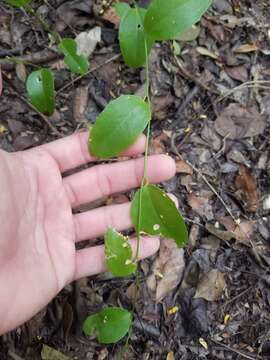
117, 127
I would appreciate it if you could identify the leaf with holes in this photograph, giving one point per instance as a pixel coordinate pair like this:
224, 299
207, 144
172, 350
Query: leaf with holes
165, 19
133, 40
78, 64
121, 9
110, 324
159, 215
40, 89
118, 254
18, 3
118, 126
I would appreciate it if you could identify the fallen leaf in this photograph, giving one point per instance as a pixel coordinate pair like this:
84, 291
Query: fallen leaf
201, 206
49, 353
236, 122
211, 286
111, 16
156, 145
21, 71
87, 41
246, 182
239, 73
80, 102
246, 48
183, 168
243, 232
167, 270
170, 356
205, 52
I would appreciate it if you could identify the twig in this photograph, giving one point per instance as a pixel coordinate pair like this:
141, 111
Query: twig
14, 356
89, 72
254, 83
206, 181
40, 57
244, 355
193, 78
237, 297
24, 100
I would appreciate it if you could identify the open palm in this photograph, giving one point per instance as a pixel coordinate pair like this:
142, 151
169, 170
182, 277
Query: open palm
38, 229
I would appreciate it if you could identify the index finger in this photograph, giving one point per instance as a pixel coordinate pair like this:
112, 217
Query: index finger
72, 151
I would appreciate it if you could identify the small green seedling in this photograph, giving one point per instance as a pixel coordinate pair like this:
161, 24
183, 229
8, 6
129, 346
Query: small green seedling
110, 324
77, 64
18, 3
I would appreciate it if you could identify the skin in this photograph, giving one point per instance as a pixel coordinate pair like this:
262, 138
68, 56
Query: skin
38, 229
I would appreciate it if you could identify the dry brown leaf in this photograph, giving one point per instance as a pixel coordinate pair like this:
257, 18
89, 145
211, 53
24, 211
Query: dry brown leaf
111, 16
205, 52
80, 102
21, 71
167, 270
224, 235
49, 353
157, 146
236, 122
211, 286
239, 73
170, 356
246, 48
201, 206
243, 232
246, 182
183, 168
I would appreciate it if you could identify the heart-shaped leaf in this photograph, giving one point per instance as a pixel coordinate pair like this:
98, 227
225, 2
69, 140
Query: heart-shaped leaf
121, 9
118, 126
132, 38
165, 19
18, 3
159, 215
78, 64
40, 89
118, 254
111, 324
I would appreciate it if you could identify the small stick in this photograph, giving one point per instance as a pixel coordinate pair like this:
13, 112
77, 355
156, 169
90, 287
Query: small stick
14, 356
246, 356
88, 72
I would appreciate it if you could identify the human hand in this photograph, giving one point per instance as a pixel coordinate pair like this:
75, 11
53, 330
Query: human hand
38, 230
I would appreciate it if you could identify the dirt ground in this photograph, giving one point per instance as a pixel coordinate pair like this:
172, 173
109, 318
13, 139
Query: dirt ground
211, 104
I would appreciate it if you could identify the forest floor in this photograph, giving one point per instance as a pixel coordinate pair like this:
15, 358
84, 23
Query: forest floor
211, 102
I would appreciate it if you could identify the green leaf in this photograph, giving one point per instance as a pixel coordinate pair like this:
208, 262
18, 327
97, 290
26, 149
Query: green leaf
132, 38
40, 89
121, 9
118, 126
18, 3
159, 215
111, 324
118, 254
165, 19
78, 64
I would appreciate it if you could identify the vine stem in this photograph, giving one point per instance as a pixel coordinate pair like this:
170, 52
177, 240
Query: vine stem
144, 181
